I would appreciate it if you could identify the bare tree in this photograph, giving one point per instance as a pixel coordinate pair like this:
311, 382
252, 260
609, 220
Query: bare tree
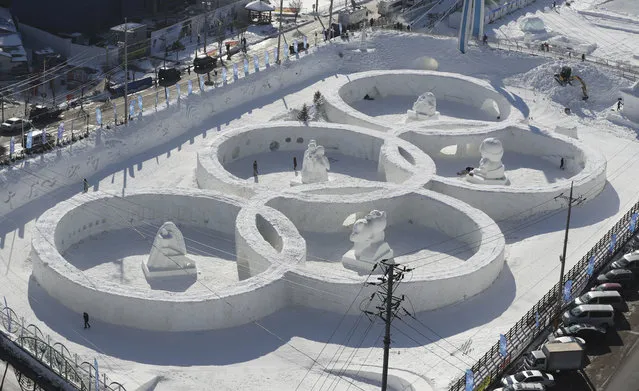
296, 5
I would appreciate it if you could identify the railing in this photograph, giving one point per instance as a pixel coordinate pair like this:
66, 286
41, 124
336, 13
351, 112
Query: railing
54, 355
624, 69
540, 317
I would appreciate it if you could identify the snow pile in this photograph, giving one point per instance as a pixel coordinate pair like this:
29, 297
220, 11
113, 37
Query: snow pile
603, 87
571, 44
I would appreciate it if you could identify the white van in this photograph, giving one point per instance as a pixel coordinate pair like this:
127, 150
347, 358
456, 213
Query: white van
594, 314
602, 297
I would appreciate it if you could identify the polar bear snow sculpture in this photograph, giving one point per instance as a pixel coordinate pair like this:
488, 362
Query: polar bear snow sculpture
491, 170
315, 165
425, 107
369, 246
168, 255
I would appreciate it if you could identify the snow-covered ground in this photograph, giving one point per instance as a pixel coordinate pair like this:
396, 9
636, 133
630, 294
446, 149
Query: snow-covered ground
278, 354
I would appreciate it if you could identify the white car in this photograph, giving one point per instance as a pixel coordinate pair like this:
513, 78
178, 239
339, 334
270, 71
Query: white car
523, 387
529, 377
580, 341
15, 124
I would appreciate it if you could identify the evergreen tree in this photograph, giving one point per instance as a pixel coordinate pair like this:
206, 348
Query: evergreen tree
304, 115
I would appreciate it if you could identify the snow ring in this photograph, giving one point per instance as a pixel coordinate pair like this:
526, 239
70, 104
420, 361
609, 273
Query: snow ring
584, 166
362, 160
346, 102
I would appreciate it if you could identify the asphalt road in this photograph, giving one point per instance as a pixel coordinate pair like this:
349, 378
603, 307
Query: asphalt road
626, 378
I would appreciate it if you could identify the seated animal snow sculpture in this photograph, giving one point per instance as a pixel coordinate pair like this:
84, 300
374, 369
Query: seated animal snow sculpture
315, 165
491, 170
168, 255
425, 107
369, 246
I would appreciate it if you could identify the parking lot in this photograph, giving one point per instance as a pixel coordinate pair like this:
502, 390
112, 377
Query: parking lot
607, 355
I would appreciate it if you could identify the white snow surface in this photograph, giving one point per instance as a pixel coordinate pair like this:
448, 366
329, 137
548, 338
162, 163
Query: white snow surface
276, 354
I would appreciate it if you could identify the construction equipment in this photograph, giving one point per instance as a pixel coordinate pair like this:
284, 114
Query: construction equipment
566, 77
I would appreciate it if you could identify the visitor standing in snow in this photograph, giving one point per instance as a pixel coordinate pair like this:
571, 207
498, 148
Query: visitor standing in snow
485, 39
294, 163
561, 163
583, 57
619, 104
86, 320
255, 170
85, 185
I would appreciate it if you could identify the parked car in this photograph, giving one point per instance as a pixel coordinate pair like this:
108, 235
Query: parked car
629, 261
595, 314
568, 339
585, 331
604, 297
608, 286
14, 125
523, 387
529, 377
621, 276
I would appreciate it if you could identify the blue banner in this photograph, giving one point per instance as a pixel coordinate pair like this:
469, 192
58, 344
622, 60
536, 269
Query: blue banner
266, 64
30, 139
12, 146
568, 290
97, 374
286, 54
60, 130
633, 222
591, 266
167, 95
613, 242
295, 46
115, 114
131, 109
256, 63
503, 345
201, 81
179, 93
44, 136
235, 74
245, 67
305, 43
189, 88
98, 116
276, 54
470, 382
224, 75
140, 103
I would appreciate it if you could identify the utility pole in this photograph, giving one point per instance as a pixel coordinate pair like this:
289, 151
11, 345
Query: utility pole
279, 35
562, 257
2, 103
389, 305
126, 73
330, 21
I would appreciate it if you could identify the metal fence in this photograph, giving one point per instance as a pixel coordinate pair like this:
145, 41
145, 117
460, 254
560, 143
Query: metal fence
540, 317
54, 355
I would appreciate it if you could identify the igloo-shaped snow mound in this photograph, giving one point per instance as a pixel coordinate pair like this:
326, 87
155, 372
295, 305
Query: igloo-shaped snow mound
358, 158
532, 24
380, 99
532, 159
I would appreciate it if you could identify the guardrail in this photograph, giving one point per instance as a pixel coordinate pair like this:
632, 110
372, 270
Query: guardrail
54, 355
489, 368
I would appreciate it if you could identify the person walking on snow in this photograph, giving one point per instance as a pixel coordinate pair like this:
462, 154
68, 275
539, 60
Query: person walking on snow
561, 164
86, 320
85, 185
485, 39
294, 163
255, 169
